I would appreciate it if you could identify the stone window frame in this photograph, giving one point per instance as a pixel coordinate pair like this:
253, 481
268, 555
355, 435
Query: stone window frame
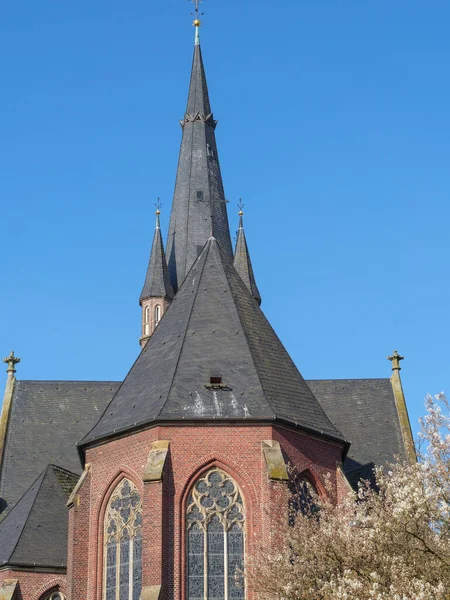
112, 514
194, 503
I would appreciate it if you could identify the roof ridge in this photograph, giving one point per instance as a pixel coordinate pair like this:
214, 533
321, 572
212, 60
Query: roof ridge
188, 321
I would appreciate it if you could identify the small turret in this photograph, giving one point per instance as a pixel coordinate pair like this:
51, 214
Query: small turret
242, 262
157, 292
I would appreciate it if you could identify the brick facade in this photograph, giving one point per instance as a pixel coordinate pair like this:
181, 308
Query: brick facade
193, 449
34, 585
148, 319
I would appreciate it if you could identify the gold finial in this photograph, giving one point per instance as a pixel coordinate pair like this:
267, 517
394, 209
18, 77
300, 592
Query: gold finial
395, 360
158, 206
196, 13
11, 361
241, 207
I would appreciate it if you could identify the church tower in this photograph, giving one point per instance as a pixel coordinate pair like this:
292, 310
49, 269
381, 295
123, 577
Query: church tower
199, 205
157, 292
163, 485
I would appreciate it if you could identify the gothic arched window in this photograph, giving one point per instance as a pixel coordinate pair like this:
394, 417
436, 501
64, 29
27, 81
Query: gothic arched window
215, 539
123, 544
54, 596
147, 320
157, 314
303, 498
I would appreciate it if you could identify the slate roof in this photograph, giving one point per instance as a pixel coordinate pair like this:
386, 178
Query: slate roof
243, 264
364, 410
199, 206
213, 327
47, 420
157, 280
35, 530
363, 473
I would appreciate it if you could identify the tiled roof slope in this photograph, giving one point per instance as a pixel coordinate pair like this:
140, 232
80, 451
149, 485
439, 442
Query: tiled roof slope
47, 420
365, 411
157, 280
199, 206
35, 530
243, 264
213, 327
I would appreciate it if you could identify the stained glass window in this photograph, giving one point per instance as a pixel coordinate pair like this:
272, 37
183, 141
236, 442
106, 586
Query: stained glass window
123, 544
215, 539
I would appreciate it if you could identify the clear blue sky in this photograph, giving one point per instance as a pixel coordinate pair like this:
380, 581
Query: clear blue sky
334, 127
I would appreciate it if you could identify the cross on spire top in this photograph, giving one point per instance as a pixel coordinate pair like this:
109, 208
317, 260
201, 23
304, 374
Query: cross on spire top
11, 361
395, 360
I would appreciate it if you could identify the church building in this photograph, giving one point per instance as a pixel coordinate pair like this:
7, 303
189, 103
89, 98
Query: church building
161, 486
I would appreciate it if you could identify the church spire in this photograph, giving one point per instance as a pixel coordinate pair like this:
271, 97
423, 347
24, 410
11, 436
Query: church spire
242, 262
157, 292
199, 205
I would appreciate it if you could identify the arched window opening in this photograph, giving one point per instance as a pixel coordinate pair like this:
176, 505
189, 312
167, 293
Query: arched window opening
157, 314
53, 596
304, 498
147, 320
123, 544
215, 539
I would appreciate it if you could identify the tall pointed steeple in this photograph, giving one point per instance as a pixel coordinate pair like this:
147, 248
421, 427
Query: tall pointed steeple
242, 262
157, 292
199, 206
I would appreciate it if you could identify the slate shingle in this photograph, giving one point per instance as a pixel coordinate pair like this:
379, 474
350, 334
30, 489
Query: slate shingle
157, 280
47, 420
199, 205
243, 264
213, 327
364, 411
34, 532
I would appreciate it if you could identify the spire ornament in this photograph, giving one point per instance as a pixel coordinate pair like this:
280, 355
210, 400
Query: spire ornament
395, 360
158, 212
241, 213
197, 21
11, 361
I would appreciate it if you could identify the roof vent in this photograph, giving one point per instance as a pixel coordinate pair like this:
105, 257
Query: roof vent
216, 383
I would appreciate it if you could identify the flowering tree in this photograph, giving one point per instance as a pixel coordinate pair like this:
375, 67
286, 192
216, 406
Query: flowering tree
392, 542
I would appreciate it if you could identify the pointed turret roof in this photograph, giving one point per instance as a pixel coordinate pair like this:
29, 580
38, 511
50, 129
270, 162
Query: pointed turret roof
199, 206
35, 531
242, 262
157, 280
213, 356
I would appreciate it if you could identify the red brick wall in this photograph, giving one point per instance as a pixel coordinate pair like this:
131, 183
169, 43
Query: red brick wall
33, 585
193, 449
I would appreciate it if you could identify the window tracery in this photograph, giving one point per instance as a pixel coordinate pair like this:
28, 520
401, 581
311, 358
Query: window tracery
123, 544
215, 538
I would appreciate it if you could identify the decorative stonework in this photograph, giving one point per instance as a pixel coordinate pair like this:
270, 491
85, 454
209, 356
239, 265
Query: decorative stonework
209, 119
156, 460
276, 466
